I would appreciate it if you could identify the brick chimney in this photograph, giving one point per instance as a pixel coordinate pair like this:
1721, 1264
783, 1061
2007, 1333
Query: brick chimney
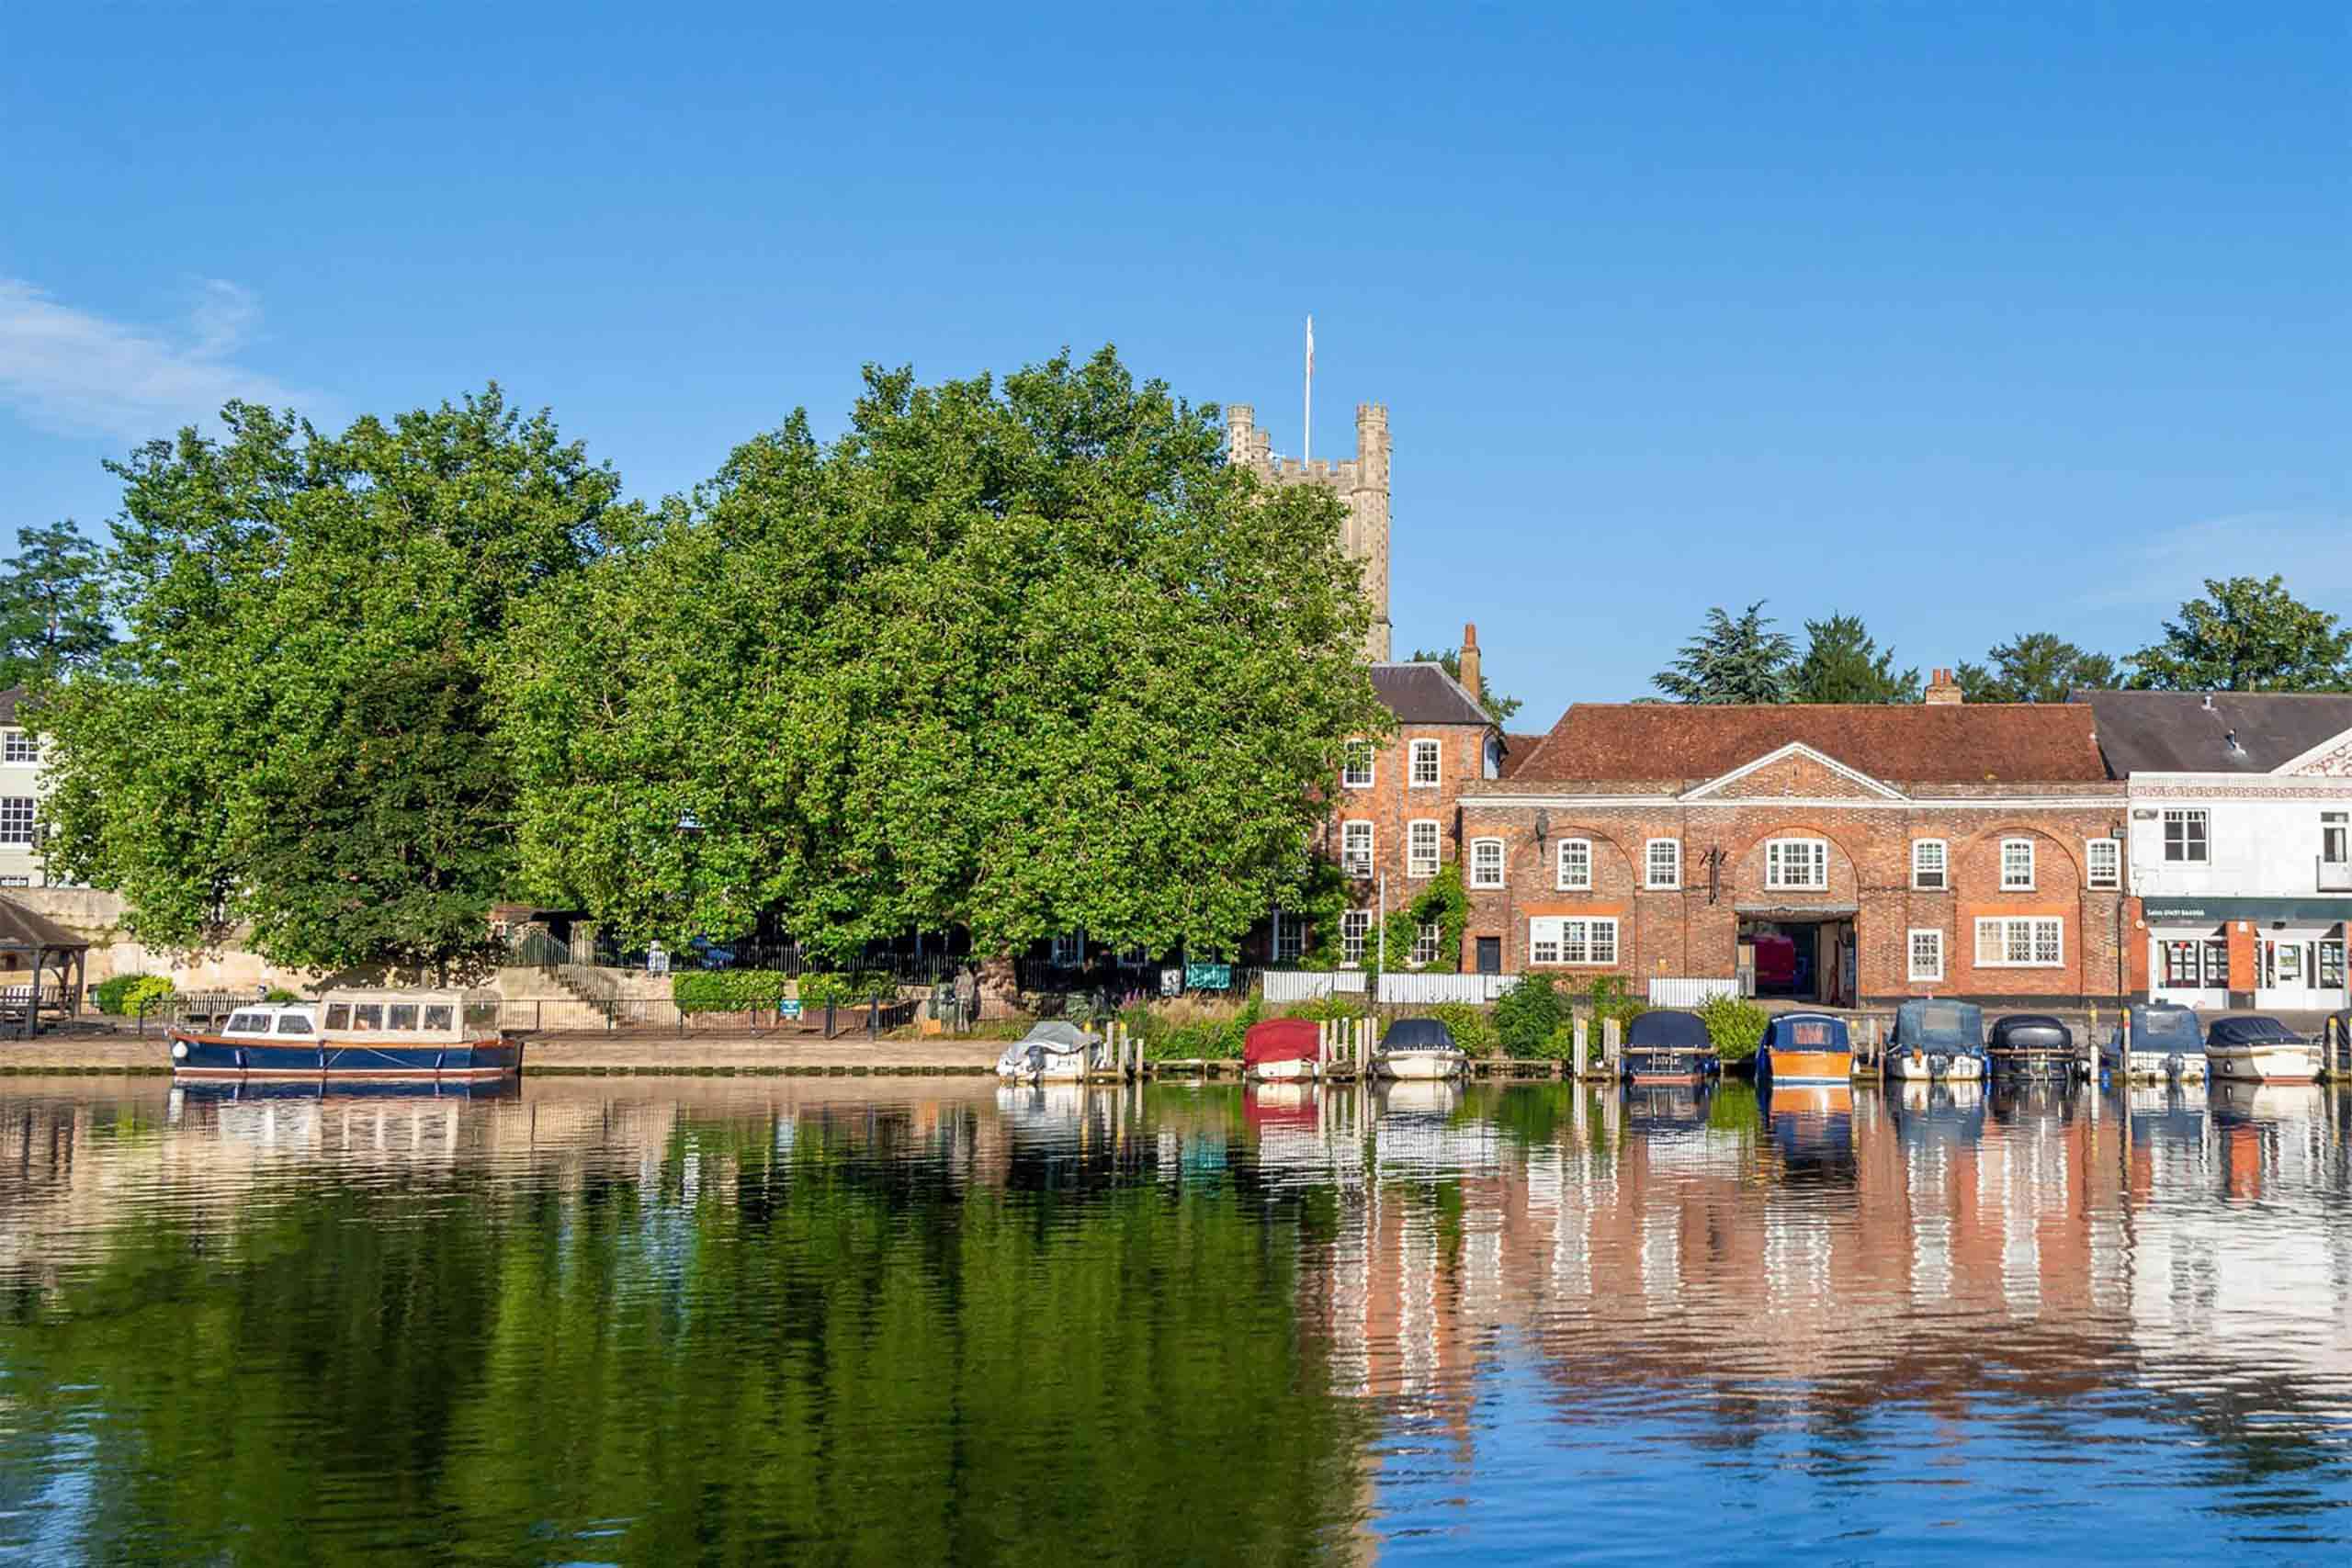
1942, 690
1470, 658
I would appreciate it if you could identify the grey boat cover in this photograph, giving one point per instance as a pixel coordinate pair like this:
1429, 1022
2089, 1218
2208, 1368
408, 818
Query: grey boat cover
2157, 1026
1940, 1026
2032, 1031
1417, 1034
1060, 1037
2250, 1031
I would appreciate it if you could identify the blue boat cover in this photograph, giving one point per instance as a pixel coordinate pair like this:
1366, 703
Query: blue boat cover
2249, 1031
1944, 1026
1807, 1031
1666, 1029
1417, 1034
2159, 1026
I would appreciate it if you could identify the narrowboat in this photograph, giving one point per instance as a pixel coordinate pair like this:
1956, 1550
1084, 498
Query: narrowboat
2166, 1042
2032, 1045
1668, 1047
354, 1036
1053, 1051
2242, 1049
1805, 1048
1937, 1039
1418, 1049
1277, 1049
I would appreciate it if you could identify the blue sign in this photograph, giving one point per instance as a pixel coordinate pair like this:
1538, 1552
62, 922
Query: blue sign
788, 1008
1208, 976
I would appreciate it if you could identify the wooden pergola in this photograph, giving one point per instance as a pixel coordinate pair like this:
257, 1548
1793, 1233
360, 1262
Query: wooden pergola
48, 945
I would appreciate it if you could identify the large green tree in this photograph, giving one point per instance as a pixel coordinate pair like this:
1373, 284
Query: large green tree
1498, 707
2247, 633
2035, 667
1019, 655
53, 605
1843, 663
1732, 660
295, 734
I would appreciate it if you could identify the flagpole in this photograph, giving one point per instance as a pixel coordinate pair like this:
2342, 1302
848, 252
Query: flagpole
1306, 432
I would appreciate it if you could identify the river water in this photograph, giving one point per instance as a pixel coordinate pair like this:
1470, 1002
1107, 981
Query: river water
908, 1320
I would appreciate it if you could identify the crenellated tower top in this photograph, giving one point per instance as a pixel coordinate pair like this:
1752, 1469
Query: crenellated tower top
1360, 482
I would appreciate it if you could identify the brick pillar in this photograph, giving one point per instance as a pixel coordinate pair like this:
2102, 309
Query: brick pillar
2245, 958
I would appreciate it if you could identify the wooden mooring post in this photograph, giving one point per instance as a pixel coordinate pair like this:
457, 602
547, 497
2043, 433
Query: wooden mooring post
1612, 1047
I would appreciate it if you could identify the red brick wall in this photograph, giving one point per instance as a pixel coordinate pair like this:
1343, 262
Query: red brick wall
1392, 802
1685, 933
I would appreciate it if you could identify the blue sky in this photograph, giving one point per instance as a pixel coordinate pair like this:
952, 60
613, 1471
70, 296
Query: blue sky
1970, 320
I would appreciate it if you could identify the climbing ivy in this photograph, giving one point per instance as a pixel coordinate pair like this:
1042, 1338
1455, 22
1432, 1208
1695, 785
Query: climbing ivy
1440, 902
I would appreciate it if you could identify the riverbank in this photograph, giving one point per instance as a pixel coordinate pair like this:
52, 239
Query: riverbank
80, 1052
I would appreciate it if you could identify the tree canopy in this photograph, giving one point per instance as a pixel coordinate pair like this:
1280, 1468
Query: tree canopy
2035, 667
1842, 663
1732, 660
2247, 634
295, 733
1498, 707
1021, 656
53, 605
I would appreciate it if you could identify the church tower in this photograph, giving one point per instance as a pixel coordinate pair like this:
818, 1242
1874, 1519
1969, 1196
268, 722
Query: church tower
1361, 483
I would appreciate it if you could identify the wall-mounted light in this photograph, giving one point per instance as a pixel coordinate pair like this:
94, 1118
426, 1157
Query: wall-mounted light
1542, 825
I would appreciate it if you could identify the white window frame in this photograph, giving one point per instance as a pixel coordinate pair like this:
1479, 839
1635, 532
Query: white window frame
1425, 941
1650, 882
1357, 751
1568, 884
1435, 751
2103, 863
1940, 872
2335, 837
1355, 935
1290, 938
1577, 941
17, 746
1068, 951
1776, 865
1481, 874
16, 882
20, 820
1911, 966
2005, 930
1419, 866
1356, 859
2009, 883
2184, 815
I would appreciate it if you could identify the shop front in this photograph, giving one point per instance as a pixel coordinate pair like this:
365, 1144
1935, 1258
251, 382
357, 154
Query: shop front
2271, 955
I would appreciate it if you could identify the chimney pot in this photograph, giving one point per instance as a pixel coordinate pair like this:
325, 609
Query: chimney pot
1942, 690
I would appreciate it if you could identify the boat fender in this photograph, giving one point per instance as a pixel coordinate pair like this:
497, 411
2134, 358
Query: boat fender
1938, 1064
439, 1058
179, 1050
241, 1058
2173, 1065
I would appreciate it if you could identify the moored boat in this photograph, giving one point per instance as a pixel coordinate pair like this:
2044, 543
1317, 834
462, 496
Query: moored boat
1937, 1039
2031, 1046
1419, 1048
354, 1036
2255, 1049
2164, 1042
1051, 1052
1665, 1045
1277, 1049
1805, 1048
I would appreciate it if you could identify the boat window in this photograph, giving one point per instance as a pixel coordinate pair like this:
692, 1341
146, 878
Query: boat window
368, 1015
338, 1015
440, 1015
293, 1024
248, 1023
403, 1016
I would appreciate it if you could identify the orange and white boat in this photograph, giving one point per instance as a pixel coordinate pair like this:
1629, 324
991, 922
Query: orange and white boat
1805, 1048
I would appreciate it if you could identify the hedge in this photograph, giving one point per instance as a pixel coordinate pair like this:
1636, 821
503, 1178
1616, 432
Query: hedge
121, 995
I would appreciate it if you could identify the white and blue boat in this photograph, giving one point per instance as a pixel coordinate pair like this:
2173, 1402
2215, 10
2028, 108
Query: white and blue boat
1937, 1039
2164, 1042
353, 1037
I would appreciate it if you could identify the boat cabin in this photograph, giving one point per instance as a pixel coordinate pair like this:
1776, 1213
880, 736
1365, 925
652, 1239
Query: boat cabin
423, 1018
299, 1021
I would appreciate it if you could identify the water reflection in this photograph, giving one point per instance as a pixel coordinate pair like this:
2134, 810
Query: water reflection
626, 1320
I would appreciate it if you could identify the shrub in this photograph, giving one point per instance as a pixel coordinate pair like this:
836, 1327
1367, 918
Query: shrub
1472, 1026
124, 995
1609, 998
1338, 1004
1526, 1016
849, 989
1560, 1045
279, 996
727, 990
1735, 1026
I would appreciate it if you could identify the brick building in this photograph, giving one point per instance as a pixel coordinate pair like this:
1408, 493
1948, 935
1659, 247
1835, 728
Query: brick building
1843, 854
1397, 811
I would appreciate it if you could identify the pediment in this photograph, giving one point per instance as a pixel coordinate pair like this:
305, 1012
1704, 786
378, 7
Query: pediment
2330, 759
1795, 772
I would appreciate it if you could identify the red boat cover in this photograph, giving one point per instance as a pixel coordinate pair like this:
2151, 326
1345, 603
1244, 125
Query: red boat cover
1281, 1040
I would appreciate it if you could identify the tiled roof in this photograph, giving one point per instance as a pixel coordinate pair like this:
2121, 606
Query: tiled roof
2007, 743
1425, 694
8, 700
2175, 732
1517, 749
23, 929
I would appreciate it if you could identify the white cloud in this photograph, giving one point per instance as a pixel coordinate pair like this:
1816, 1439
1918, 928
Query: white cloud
2312, 550
72, 372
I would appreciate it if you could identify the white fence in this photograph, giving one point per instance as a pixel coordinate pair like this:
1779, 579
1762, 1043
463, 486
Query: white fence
1666, 993
1422, 990
1308, 985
